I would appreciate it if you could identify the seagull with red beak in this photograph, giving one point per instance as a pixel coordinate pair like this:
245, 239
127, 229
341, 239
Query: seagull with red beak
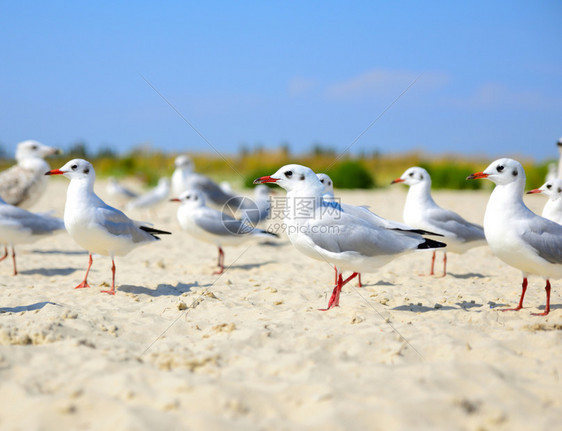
515, 234
553, 207
325, 231
96, 226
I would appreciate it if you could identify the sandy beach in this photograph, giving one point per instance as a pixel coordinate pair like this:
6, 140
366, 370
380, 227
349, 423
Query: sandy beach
180, 348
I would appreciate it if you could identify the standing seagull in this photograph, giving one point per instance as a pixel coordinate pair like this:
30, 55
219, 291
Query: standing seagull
23, 184
19, 226
553, 207
515, 234
343, 240
153, 197
421, 211
215, 227
93, 224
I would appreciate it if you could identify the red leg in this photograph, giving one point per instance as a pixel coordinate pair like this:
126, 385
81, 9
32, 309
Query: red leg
5, 254
444, 265
520, 306
336, 279
359, 280
547, 307
85, 281
14, 260
112, 291
431, 272
221, 262
335, 298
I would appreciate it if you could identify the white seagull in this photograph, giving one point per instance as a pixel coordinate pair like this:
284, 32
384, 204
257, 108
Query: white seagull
553, 207
19, 226
328, 192
117, 190
421, 211
24, 183
515, 234
212, 226
259, 207
325, 231
153, 197
184, 178
94, 225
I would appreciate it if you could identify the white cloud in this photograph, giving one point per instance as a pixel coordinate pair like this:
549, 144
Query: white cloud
381, 82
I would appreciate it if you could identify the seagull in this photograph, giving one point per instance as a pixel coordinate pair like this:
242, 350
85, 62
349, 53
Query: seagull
24, 183
184, 178
19, 226
328, 193
421, 211
553, 208
153, 197
515, 234
96, 226
116, 190
325, 231
213, 226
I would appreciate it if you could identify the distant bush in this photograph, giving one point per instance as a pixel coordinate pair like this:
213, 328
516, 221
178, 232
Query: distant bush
351, 174
451, 176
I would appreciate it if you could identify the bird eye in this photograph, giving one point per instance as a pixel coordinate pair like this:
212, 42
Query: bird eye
322, 181
289, 174
514, 173
73, 167
34, 147
86, 170
500, 168
549, 186
411, 174
329, 183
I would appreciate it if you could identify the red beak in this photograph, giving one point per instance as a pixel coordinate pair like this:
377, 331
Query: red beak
54, 172
175, 200
477, 176
530, 192
266, 179
397, 180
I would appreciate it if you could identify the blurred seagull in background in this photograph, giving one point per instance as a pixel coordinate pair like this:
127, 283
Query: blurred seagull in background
118, 191
327, 232
19, 226
213, 226
153, 197
24, 183
421, 211
553, 207
257, 213
96, 226
515, 234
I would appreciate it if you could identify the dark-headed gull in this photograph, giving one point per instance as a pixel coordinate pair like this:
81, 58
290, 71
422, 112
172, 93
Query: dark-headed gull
421, 211
23, 184
515, 234
19, 226
212, 226
553, 207
96, 226
325, 231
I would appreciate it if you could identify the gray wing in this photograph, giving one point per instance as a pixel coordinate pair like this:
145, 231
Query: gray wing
449, 221
15, 184
213, 193
220, 224
118, 224
38, 224
545, 237
345, 233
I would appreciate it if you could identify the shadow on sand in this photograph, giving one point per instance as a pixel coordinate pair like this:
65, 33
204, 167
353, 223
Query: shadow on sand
20, 308
161, 289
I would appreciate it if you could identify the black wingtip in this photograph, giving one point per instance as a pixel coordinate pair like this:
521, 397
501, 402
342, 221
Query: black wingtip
270, 233
430, 243
153, 231
418, 231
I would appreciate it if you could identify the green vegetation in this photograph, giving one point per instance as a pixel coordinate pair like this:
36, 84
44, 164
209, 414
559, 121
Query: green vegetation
365, 171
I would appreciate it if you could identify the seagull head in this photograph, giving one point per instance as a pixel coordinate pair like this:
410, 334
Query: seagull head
183, 161
76, 169
31, 149
502, 172
412, 176
327, 183
552, 188
295, 178
191, 198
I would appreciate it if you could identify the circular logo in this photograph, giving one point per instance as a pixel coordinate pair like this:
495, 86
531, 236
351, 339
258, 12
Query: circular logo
240, 215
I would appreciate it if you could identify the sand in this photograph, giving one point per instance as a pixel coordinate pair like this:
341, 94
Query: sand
180, 348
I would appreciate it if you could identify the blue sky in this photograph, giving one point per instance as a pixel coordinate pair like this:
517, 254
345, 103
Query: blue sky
297, 72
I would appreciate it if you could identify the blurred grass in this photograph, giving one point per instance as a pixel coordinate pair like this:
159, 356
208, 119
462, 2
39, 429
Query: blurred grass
365, 171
